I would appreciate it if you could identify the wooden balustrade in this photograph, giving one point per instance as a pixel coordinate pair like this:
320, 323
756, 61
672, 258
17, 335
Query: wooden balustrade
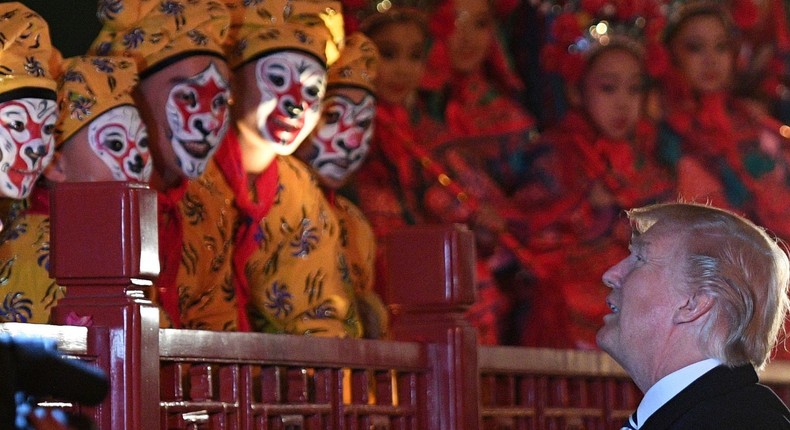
105, 251
433, 376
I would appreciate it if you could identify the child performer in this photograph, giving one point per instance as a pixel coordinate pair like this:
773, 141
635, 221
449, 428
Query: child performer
286, 251
603, 151
721, 149
99, 137
27, 121
389, 185
336, 150
392, 187
183, 98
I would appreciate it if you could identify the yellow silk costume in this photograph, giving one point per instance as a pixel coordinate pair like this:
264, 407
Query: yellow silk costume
26, 57
28, 294
290, 273
300, 281
359, 245
206, 288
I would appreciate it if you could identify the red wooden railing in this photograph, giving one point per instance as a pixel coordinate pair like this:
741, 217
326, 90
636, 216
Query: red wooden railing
432, 377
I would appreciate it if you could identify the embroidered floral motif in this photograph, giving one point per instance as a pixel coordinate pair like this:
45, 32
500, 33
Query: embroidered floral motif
279, 300
324, 310
80, 106
306, 239
16, 308
197, 37
34, 67
14, 233
104, 48
175, 9
133, 39
74, 76
108, 9
194, 209
104, 65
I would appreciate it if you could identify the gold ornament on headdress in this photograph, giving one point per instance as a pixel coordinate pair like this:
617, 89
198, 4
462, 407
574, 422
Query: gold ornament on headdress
89, 87
157, 33
357, 64
263, 26
26, 54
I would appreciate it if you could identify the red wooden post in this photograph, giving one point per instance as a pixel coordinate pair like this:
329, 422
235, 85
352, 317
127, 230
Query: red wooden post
104, 250
430, 285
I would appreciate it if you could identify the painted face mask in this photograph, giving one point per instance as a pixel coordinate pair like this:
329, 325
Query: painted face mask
342, 138
27, 143
292, 85
119, 139
197, 113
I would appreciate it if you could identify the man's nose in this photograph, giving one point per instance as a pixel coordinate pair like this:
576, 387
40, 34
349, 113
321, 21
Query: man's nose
611, 278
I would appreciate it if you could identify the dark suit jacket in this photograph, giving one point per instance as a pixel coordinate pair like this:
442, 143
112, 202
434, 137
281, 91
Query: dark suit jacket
723, 398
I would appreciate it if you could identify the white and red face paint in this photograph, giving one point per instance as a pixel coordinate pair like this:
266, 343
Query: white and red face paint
292, 85
197, 113
119, 139
342, 139
27, 143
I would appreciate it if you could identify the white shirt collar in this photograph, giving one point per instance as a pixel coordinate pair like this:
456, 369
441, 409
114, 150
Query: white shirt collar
669, 386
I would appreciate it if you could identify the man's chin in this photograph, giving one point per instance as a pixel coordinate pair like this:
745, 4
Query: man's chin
601, 342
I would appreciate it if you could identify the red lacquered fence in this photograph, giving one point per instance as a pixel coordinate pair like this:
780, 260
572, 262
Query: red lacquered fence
434, 376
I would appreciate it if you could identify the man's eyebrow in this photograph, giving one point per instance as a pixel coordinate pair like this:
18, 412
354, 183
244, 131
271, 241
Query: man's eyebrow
637, 242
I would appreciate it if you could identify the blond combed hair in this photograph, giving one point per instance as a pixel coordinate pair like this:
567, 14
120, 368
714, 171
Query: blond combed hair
744, 268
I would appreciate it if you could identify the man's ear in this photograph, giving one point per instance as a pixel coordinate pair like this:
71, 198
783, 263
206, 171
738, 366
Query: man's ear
695, 307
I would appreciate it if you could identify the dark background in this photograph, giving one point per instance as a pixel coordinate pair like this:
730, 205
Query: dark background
72, 23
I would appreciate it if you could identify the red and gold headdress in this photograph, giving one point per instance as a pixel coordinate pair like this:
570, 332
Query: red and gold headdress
578, 30
441, 24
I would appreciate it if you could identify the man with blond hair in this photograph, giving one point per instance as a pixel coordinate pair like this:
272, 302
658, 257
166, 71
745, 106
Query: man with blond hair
696, 309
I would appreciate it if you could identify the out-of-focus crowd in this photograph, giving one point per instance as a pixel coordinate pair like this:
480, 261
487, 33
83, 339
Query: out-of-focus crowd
286, 138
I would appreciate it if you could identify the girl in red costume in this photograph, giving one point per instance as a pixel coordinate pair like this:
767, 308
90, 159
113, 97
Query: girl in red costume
720, 147
401, 172
483, 138
400, 36
603, 151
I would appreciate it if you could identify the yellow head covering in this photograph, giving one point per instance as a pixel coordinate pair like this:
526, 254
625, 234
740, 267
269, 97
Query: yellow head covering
357, 64
157, 33
263, 26
90, 86
26, 54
